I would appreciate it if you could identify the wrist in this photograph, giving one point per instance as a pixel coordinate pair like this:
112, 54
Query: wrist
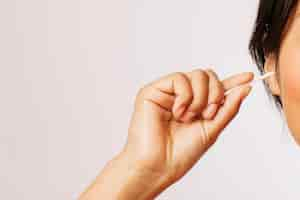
138, 182
123, 178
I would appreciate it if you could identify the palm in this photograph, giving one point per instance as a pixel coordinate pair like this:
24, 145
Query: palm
160, 142
180, 145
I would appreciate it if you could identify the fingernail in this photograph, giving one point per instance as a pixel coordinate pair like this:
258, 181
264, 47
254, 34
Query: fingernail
210, 111
247, 90
180, 111
178, 108
188, 116
223, 101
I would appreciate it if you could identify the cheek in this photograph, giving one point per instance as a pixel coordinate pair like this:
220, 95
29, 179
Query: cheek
290, 88
289, 62
291, 82
290, 75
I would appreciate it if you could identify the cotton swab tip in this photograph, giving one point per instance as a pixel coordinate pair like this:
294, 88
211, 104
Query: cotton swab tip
262, 77
266, 75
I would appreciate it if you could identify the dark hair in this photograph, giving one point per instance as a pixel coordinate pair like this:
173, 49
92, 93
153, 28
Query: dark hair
272, 18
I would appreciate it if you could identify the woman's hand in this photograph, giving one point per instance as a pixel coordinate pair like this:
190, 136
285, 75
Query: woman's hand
175, 120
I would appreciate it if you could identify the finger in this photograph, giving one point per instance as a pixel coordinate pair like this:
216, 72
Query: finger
216, 95
174, 85
199, 80
237, 80
210, 111
229, 109
156, 96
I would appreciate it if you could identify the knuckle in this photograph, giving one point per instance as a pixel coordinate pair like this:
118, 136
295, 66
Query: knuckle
182, 78
142, 91
218, 94
209, 69
199, 70
199, 102
197, 106
187, 97
199, 73
179, 75
212, 71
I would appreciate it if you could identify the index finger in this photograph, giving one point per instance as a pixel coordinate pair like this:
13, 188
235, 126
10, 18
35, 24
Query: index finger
237, 80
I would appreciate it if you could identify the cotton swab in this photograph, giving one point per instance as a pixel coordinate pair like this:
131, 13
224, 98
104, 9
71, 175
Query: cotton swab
262, 77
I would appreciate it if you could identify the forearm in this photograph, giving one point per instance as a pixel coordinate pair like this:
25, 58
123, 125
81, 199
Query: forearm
120, 180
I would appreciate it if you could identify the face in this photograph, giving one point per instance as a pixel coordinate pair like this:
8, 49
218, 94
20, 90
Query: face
287, 82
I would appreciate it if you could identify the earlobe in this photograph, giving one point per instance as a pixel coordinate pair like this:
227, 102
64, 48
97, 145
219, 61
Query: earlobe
273, 83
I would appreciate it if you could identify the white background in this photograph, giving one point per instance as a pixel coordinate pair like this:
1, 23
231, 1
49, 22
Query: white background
69, 72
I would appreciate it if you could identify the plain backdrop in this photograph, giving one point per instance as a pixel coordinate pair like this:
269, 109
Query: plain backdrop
69, 72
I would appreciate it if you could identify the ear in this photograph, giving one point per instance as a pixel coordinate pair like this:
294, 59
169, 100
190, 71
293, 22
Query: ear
270, 66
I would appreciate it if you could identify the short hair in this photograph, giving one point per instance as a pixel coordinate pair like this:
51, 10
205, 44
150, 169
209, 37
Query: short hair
271, 20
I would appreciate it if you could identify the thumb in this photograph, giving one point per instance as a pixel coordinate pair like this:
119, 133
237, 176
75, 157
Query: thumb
229, 109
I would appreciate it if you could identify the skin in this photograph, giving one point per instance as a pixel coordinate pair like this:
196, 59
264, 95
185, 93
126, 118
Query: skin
286, 83
178, 117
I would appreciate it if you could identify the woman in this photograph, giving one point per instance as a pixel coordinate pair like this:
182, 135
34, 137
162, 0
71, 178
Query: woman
179, 116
